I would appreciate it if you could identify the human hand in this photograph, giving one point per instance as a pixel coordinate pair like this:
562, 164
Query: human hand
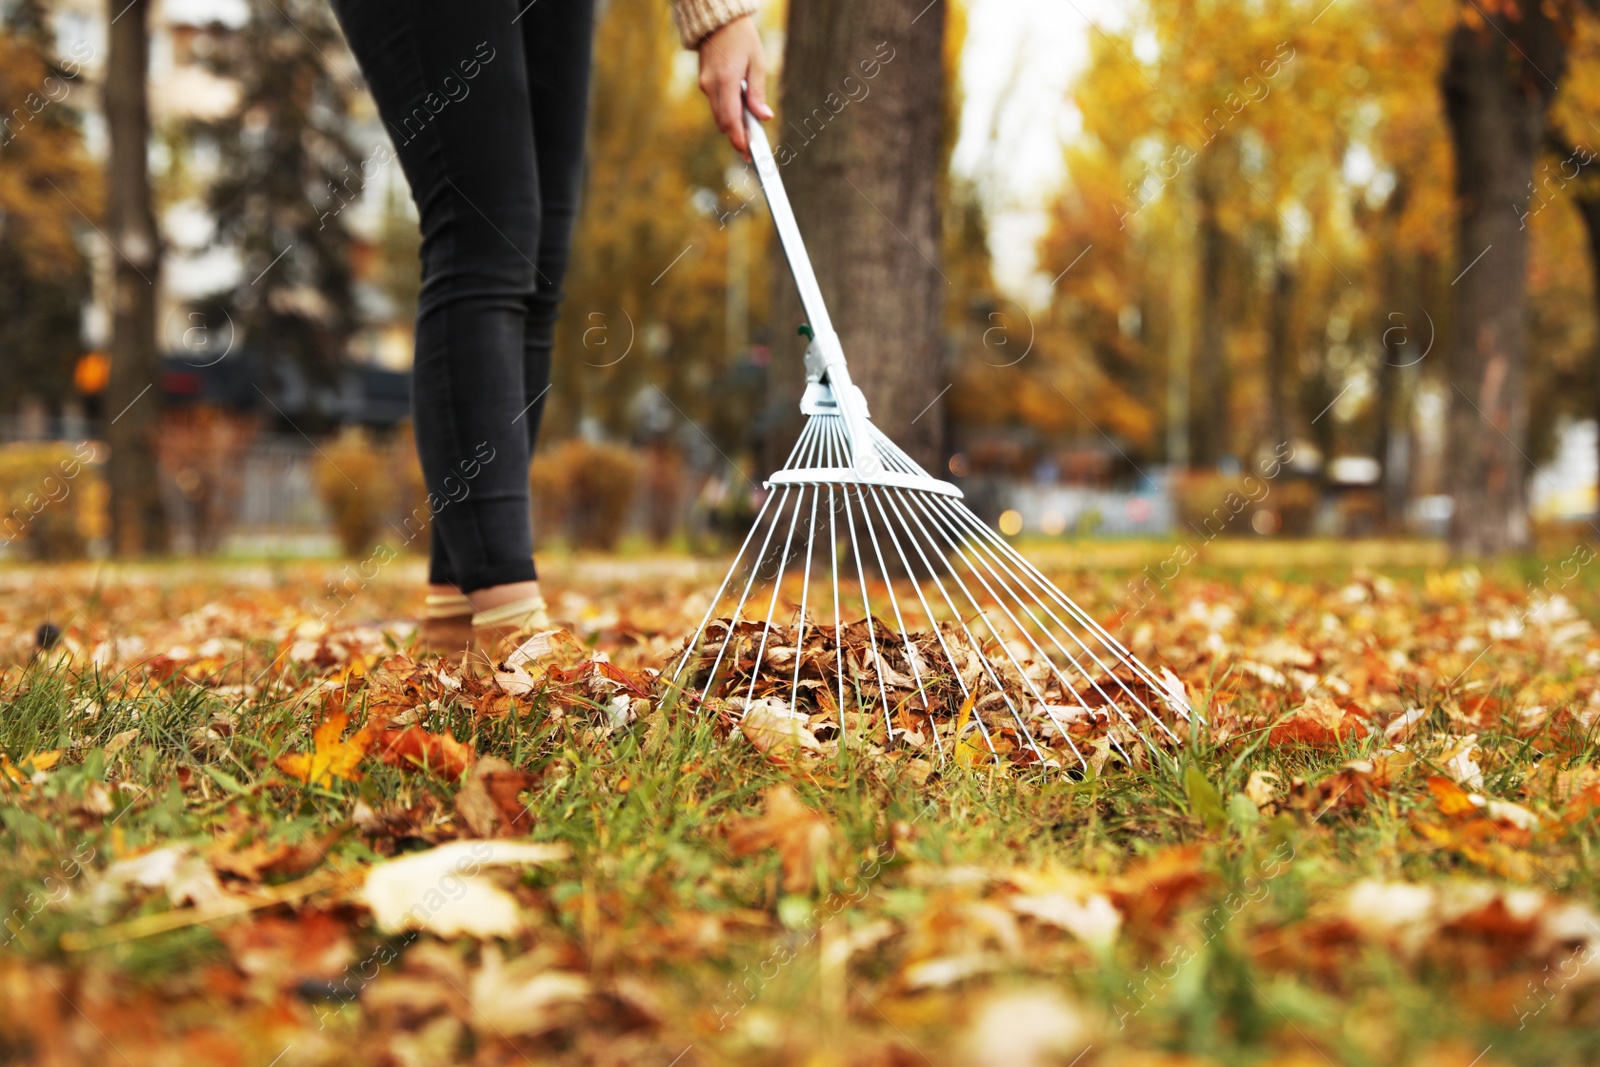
729, 58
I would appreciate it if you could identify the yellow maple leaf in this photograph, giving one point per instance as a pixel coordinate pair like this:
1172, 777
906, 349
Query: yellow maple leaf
42, 761
968, 752
332, 755
1450, 797
32, 764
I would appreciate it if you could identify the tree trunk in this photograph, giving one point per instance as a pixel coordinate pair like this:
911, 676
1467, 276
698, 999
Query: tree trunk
1208, 414
133, 401
1404, 339
1497, 83
1588, 202
1280, 358
857, 140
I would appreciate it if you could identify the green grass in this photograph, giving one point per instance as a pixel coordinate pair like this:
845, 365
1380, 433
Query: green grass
653, 896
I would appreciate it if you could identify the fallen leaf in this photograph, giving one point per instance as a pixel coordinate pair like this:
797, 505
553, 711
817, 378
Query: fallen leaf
1582, 804
1149, 893
1405, 724
1028, 1027
523, 997
416, 748
1512, 814
1459, 764
121, 741
1094, 920
290, 949
537, 647
1390, 764
1449, 797
332, 755
443, 892
1176, 693
42, 761
942, 971
1320, 722
517, 681
968, 752
801, 837
1261, 788
263, 859
773, 728
488, 800
185, 877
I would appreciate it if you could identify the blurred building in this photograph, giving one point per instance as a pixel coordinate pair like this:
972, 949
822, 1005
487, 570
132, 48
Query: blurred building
183, 88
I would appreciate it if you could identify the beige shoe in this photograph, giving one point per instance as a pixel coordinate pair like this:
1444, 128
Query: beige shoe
446, 627
495, 629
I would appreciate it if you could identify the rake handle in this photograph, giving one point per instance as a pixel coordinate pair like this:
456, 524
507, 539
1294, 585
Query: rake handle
864, 457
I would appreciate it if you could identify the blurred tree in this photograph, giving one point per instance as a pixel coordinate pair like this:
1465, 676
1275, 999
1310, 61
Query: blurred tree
46, 180
287, 172
1504, 65
1571, 169
982, 384
138, 521
401, 242
1403, 212
642, 346
1231, 283
859, 139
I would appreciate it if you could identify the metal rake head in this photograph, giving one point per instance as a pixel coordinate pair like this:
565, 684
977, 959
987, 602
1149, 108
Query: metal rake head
883, 593
866, 585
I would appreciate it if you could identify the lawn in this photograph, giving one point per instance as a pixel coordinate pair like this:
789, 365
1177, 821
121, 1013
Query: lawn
245, 825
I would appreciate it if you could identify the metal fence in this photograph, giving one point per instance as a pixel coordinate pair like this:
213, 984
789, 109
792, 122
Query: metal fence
276, 509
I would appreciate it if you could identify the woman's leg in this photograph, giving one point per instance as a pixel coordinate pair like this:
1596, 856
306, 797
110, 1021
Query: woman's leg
451, 84
558, 42
557, 46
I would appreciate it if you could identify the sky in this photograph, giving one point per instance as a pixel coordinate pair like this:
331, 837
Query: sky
1023, 54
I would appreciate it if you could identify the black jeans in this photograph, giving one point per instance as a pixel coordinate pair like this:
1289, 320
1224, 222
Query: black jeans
485, 102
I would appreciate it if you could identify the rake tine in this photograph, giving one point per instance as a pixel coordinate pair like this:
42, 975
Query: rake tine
805, 434
807, 442
1065, 689
938, 634
926, 611
1000, 640
916, 587
1065, 685
831, 451
958, 514
1084, 619
977, 647
1178, 704
805, 589
866, 603
716, 599
841, 447
1090, 653
777, 587
738, 609
990, 541
1117, 680
838, 623
911, 656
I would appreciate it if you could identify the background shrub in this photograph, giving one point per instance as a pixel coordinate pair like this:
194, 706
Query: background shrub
54, 498
355, 480
586, 489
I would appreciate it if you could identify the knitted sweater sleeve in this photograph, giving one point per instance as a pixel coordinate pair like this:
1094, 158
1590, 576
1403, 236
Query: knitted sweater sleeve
699, 19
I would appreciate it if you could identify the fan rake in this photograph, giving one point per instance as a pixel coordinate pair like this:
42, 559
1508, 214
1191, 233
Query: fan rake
866, 584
